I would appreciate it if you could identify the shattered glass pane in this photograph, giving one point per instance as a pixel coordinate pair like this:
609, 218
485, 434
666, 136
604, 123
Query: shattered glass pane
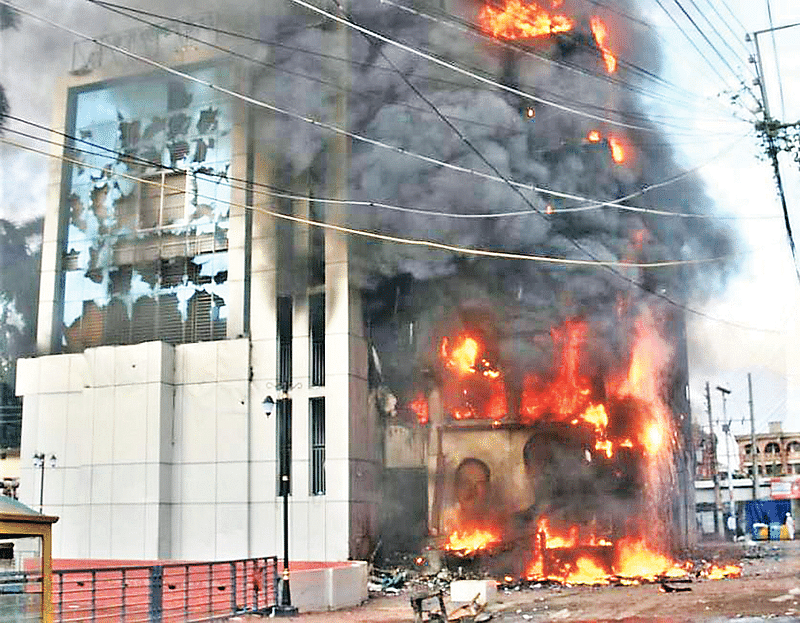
146, 258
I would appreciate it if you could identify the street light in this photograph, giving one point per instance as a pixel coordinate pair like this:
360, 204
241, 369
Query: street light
38, 461
283, 606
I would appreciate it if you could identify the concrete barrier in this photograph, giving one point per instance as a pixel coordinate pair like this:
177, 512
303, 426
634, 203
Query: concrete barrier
334, 586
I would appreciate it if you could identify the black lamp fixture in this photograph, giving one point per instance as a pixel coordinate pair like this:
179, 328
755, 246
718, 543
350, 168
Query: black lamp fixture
283, 606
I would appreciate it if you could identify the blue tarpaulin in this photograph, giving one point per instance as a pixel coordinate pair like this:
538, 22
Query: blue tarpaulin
766, 511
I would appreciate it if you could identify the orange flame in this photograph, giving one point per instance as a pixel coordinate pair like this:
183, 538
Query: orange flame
587, 571
720, 572
635, 559
593, 136
617, 149
467, 543
420, 407
522, 21
462, 357
600, 33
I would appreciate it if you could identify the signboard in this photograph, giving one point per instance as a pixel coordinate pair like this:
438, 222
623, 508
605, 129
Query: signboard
784, 488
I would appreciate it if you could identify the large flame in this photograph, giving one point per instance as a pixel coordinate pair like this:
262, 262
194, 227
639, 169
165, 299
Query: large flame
635, 559
617, 149
420, 408
467, 543
518, 20
600, 33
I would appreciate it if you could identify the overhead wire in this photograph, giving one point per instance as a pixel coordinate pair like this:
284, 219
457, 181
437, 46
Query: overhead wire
717, 33
416, 242
124, 10
777, 61
708, 41
452, 21
739, 37
657, 294
431, 244
592, 204
694, 45
274, 191
324, 125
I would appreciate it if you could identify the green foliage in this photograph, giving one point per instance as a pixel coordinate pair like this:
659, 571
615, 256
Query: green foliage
9, 18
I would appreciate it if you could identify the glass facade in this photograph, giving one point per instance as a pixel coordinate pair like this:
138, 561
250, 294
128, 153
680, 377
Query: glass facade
145, 252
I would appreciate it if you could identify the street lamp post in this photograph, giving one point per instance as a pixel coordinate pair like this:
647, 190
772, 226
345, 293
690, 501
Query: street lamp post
283, 606
38, 461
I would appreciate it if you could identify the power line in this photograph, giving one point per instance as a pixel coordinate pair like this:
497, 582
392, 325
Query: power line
283, 193
124, 10
386, 237
470, 28
708, 41
321, 124
777, 62
717, 33
657, 294
692, 42
737, 37
424, 243
453, 67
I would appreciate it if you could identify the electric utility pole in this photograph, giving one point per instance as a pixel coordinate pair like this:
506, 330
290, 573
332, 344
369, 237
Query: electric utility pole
719, 527
753, 448
726, 429
772, 130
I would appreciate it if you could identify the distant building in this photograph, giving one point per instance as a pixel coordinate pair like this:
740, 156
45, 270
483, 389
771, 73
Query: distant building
704, 451
777, 453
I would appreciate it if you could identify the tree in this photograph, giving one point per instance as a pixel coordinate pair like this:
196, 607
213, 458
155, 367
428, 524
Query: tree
9, 18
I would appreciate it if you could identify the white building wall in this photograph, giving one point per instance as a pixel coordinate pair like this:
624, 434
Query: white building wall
164, 451
160, 456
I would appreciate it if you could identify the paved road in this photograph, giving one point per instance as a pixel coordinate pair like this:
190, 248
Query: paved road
769, 589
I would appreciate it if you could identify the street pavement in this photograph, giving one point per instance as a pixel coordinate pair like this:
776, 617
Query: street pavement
769, 590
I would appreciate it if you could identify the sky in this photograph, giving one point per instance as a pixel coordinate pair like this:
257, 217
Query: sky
751, 327
764, 294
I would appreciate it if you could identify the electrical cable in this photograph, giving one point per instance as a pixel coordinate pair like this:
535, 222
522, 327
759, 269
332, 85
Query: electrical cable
708, 41
272, 191
124, 10
312, 121
282, 193
382, 237
470, 28
253, 101
693, 44
470, 251
716, 32
737, 37
777, 63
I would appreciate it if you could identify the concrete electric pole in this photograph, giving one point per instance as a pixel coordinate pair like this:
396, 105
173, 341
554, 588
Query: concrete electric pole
719, 527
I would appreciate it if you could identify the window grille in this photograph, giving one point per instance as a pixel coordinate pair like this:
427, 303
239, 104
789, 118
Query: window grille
284, 331
317, 426
284, 423
316, 247
316, 305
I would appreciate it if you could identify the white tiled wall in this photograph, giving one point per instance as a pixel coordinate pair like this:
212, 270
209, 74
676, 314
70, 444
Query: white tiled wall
165, 451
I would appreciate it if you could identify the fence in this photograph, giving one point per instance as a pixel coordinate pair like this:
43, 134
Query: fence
165, 593
20, 596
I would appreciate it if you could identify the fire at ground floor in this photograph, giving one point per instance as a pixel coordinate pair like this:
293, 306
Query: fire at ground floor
769, 589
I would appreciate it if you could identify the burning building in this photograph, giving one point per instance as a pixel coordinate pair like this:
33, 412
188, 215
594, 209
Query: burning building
287, 229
